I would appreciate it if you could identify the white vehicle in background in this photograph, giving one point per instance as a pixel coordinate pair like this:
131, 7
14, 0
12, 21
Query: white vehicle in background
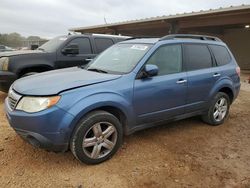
5, 48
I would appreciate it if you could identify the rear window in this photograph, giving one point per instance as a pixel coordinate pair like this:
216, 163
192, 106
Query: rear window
221, 54
102, 44
197, 57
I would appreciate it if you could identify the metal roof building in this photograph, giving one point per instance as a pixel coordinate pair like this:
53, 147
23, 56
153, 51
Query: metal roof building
231, 24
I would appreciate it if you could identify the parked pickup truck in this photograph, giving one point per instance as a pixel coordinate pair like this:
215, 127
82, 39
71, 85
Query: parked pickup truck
60, 52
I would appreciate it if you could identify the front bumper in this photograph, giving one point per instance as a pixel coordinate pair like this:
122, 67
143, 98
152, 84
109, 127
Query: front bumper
6, 79
48, 129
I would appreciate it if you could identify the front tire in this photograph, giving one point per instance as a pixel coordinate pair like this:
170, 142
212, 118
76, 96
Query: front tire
218, 110
96, 138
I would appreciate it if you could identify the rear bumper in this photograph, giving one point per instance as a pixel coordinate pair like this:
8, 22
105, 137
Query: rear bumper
237, 90
48, 129
6, 79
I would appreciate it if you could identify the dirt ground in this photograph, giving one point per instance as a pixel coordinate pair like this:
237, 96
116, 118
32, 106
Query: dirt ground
187, 153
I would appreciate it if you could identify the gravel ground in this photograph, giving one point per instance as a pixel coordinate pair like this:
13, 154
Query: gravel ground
186, 153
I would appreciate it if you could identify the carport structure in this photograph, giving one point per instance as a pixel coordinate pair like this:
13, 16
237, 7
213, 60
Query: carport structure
230, 24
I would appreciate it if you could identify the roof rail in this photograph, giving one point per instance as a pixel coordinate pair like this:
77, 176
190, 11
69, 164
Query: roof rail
107, 35
189, 36
141, 37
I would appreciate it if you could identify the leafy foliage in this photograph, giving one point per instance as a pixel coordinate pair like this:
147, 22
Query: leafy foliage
15, 39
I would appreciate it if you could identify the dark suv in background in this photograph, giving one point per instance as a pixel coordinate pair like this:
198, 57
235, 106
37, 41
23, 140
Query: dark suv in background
60, 52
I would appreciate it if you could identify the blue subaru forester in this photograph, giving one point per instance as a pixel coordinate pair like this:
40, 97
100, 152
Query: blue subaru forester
131, 86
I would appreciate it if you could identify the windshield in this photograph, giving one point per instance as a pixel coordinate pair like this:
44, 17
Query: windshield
119, 59
53, 44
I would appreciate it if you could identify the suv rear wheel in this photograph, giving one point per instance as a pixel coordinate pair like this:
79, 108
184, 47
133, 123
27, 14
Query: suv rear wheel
96, 138
218, 111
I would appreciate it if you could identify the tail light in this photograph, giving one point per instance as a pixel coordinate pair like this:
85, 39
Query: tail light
238, 71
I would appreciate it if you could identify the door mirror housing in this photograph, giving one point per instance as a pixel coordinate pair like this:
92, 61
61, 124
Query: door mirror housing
71, 49
150, 70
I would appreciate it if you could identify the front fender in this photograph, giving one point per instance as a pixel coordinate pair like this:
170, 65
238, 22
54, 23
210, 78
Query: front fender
95, 101
20, 62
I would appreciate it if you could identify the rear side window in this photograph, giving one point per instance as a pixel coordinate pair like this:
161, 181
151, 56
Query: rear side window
221, 54
84, 45
102, 44
197, 56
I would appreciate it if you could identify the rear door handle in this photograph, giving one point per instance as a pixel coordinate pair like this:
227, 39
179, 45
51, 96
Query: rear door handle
216, 75
88, 59
181, 81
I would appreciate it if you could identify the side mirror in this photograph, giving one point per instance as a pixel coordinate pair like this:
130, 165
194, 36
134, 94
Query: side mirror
71, 49
150, 70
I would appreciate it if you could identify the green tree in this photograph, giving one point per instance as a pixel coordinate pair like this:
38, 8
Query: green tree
12, 39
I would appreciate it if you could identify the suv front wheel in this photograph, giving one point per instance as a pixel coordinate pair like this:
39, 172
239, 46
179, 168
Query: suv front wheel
218, 110
97, 137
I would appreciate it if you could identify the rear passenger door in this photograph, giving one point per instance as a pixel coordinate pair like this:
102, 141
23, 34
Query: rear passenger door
201, 75
84, 56
102, 44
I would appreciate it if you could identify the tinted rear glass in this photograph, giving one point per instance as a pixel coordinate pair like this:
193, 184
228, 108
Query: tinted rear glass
197, 56
102, 44
221, 54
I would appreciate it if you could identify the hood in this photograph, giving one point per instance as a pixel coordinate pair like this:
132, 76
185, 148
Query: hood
54, 82
19, 52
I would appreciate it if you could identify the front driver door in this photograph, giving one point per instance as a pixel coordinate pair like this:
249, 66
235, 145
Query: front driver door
163, 96
84, 56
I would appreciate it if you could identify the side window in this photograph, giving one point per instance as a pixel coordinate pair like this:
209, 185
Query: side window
84, 45
168, 59
120, 39
102, 44
221, 54
197, 56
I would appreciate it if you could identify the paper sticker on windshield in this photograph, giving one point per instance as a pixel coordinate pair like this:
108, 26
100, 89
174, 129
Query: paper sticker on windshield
139, 47
63, 38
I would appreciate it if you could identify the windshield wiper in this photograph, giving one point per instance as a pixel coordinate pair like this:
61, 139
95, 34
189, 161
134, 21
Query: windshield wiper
97, 70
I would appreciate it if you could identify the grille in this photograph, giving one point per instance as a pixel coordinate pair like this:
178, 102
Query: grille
13, 99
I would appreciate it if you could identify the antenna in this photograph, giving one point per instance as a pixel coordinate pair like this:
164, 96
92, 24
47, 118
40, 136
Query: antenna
105, 21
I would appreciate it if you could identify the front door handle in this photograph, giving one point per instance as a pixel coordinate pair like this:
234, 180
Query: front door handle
181, 81
216, 75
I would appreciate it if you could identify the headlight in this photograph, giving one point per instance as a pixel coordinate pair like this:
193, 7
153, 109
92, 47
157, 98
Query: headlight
4, 63
36, 104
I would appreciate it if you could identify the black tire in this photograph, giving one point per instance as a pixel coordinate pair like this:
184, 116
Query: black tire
209, 116
84, 127
28, 74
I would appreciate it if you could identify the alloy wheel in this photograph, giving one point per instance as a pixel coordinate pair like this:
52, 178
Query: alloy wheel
99, 140
220, 109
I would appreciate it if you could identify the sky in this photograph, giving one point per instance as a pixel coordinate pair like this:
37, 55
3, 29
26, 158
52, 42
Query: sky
50, 18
